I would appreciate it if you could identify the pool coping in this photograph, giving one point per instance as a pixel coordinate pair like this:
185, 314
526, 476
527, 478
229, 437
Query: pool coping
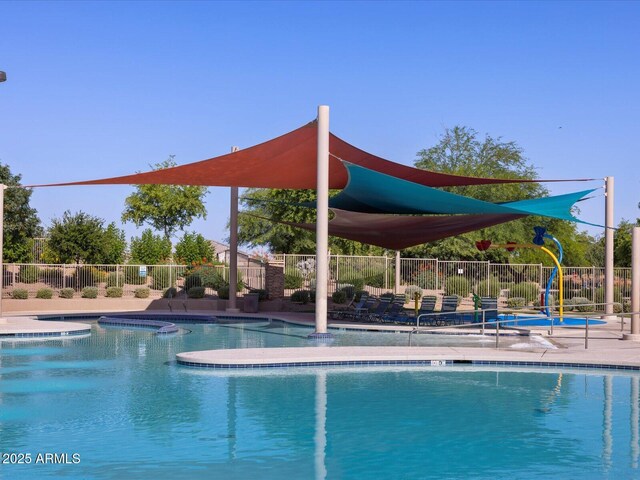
21, 327
260, 358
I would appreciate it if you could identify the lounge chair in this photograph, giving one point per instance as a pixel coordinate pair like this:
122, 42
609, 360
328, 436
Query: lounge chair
361, 312
376, 314
427, 306
395, 313
446, 315
340, 313
489, 307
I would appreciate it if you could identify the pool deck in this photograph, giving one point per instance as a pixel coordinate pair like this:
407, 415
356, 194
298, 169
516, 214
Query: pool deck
25, 327
606, 347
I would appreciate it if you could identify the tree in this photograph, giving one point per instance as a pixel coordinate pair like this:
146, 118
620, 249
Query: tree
81, 238
285, 205
114, 243
194, 248
166, 208
21, 222
460, 151
150, 249
621, 245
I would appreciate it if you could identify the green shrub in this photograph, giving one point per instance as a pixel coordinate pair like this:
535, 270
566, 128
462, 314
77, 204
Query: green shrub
301, 296
356, 282
262, 293
191, 281
52, 276
115, 279
66, 293
85, 277
223, 292
457, 285
132, 275
45, 293
20, 294
626, 306
210, 277
490, 288
141, 292
163, 276
90, 292
568, 305
617, 307
552, 302
28, 274
410, 293
292, 278
516, 302
359, 294
339, 296
582, 304
170, 292
599, 296
530, 291
425, 278
195, 292
114, 292
375, 280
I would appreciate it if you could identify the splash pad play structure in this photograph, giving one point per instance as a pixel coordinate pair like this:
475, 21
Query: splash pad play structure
538, 243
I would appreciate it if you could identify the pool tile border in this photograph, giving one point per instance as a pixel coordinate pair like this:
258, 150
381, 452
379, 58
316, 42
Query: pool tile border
421, 363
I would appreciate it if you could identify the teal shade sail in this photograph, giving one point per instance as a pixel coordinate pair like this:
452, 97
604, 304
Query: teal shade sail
369, 191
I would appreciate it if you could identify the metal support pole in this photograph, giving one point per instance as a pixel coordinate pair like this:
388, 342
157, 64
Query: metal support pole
233, 247
2, 189
396, 287
608, 247
322, 223
635, 286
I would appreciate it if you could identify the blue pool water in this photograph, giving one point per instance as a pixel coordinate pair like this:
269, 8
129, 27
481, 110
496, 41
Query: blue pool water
540, 321
118, 401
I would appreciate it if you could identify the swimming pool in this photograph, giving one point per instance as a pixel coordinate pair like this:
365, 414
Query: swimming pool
118, 400
544, 321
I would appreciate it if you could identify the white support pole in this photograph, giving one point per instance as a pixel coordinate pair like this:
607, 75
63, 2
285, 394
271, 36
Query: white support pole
322, 222
233, 247
608, 247
635, 286
2, 189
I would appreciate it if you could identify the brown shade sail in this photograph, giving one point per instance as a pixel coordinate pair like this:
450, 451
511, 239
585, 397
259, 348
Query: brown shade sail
398, 232
288, 161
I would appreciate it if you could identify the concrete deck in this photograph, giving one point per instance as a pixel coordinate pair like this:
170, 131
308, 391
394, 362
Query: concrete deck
21, 327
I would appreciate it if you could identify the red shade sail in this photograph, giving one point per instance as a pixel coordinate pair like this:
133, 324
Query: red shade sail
288, 161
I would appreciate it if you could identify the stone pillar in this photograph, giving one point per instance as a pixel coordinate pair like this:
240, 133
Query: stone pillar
274, 279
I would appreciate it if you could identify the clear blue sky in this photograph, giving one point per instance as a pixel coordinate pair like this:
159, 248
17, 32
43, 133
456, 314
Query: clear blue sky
100, 89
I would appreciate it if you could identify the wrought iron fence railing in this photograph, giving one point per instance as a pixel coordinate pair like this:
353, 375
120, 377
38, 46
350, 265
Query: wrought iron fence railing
377, 275
66, 280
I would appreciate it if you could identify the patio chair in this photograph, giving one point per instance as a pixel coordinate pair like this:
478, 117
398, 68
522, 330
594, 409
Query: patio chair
340, 313
489, 307
447, 313
395, 313
360, 311
376, 314
427, 306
